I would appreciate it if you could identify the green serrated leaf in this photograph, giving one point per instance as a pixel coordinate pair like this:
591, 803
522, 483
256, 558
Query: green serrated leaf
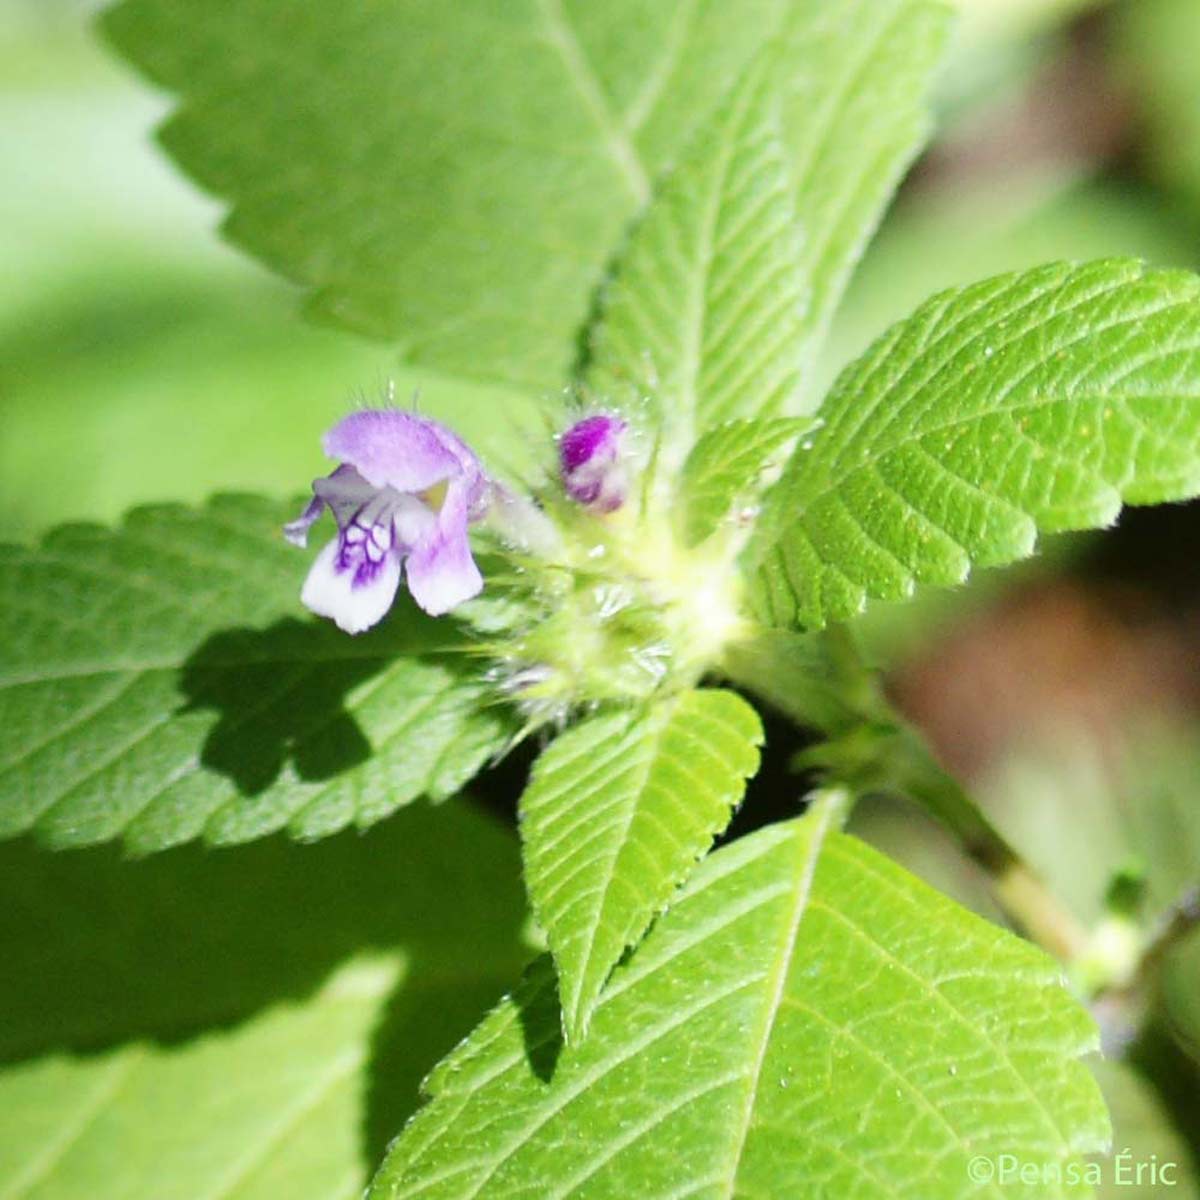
855, 114
253, 1024
807, 1019
728, 467
704, 317
158, 685
1038, 400
453, 177
616, 814
456, 178
729, 283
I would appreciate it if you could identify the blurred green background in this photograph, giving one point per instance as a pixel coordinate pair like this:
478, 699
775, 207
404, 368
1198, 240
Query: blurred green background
141, 359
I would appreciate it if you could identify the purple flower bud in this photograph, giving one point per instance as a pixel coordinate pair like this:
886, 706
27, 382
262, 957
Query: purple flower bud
591, 462
403, 497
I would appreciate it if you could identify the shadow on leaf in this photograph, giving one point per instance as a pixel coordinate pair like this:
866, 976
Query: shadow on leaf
101, 951
536, 998
281, 695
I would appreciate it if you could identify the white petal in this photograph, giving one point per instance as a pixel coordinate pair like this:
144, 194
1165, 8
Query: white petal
442, 574
332, 593
413, 521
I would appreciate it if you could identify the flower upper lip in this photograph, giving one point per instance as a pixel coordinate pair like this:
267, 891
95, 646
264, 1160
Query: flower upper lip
402, 450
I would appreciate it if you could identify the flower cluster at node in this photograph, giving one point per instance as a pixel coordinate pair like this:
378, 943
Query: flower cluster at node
584, 609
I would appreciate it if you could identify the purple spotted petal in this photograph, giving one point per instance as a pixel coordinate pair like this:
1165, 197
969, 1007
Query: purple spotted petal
354, 592
391, 448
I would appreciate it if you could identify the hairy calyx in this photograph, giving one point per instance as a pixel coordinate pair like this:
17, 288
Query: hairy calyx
600, 599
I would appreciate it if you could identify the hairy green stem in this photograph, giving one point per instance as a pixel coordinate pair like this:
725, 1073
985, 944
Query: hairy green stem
822, 681
1022, 894
1122, 1000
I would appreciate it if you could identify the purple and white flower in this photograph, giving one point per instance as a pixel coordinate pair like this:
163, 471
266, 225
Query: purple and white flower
591, 462
403, 497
